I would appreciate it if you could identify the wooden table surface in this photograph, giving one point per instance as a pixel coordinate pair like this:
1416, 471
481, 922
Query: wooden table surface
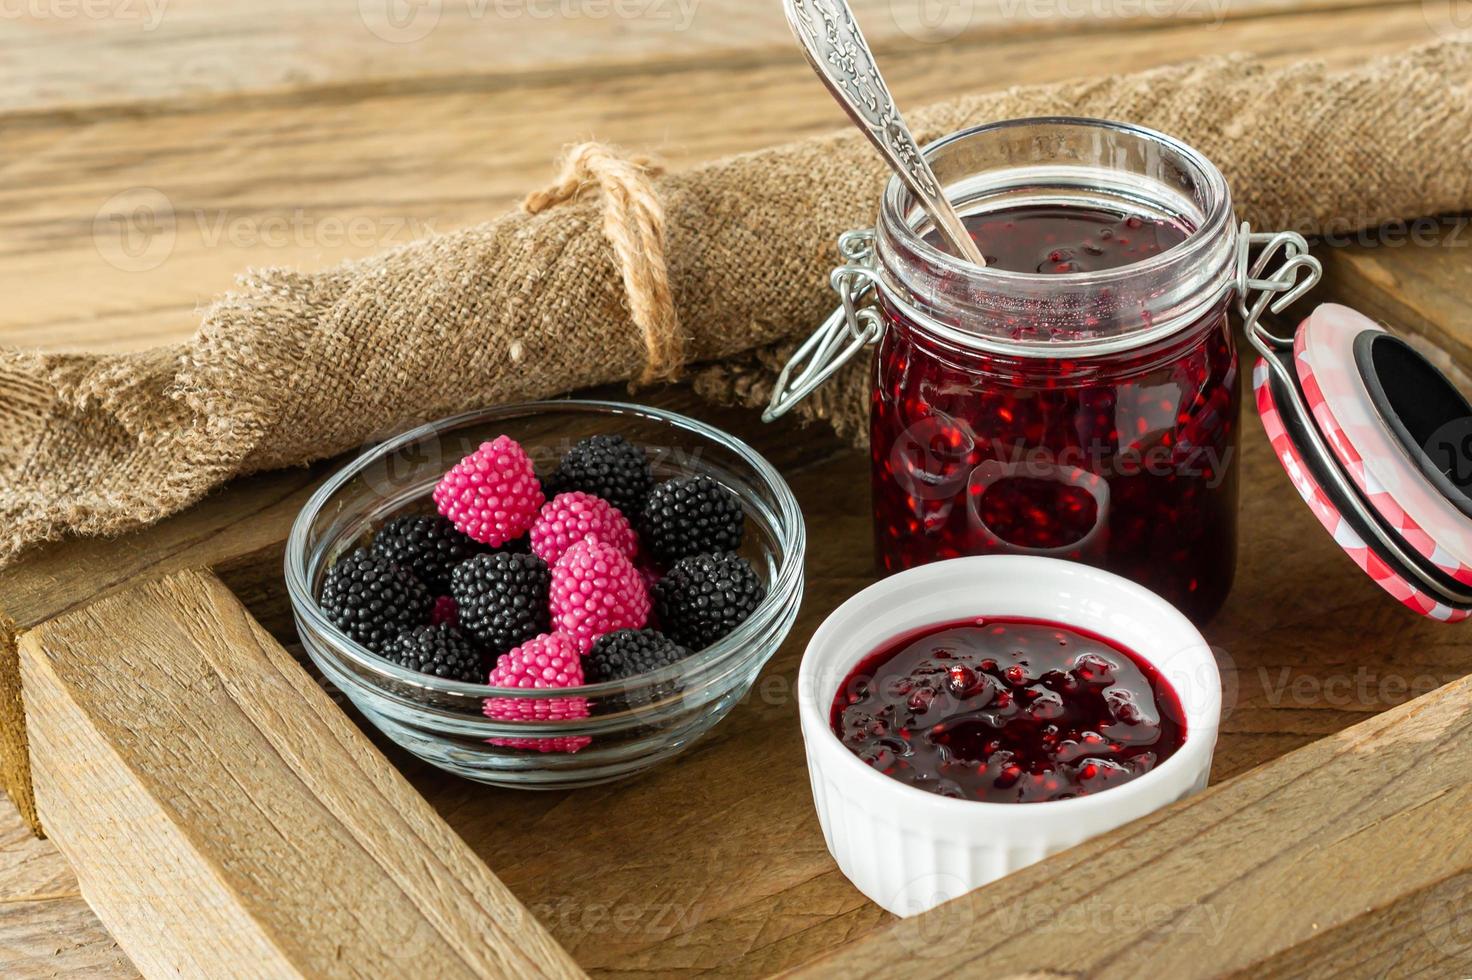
154, 148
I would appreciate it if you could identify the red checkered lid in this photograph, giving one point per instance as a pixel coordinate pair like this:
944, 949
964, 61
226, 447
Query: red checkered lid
1378, 442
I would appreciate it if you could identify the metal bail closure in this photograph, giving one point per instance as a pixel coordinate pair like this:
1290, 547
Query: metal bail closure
851, 328
1374, 438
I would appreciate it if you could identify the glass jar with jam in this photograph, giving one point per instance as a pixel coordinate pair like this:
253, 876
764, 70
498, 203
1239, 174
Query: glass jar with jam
1079, 397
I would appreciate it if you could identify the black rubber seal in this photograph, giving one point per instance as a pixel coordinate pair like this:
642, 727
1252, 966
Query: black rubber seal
1424, 411
1294, 424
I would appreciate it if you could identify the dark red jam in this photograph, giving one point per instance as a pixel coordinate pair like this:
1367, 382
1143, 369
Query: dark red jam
1057, 240
1008, 711
1124, 460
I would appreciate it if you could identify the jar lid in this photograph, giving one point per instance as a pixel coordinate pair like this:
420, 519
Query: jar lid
1378, 442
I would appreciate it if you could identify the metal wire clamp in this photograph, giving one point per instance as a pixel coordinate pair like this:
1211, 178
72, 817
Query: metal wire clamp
853, 326
1256, 294
849, 329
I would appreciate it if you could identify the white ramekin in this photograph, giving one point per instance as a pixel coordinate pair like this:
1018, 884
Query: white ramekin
909, 850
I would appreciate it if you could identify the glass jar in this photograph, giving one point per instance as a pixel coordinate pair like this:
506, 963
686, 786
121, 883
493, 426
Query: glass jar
1082, 414
1078, 397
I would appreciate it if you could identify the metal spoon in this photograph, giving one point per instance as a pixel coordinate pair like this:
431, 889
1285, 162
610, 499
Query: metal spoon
836, 48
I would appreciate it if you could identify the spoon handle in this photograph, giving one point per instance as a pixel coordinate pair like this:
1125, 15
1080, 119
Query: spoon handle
836, 48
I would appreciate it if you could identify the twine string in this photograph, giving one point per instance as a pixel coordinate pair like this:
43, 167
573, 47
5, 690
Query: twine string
634, 224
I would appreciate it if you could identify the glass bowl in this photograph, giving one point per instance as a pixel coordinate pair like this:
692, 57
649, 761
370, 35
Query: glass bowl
632, 724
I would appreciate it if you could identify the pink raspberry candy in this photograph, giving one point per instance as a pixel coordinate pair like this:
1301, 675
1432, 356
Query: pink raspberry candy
570, 517
550, 660
596, 590
445, 610
493, 494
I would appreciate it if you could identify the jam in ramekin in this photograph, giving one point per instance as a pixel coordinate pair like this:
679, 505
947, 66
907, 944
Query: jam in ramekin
1008, 711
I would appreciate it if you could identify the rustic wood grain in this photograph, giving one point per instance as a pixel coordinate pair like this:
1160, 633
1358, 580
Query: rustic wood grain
46, 927
244, 527
746, 897
1348, 856
223, 814
1308, 646
306, 180
1416, 278
277, 139
58, 56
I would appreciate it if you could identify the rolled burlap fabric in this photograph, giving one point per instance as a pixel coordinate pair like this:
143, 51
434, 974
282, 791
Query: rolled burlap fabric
617, 272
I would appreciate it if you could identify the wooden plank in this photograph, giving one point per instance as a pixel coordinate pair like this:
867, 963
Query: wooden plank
1353, 855
248, 521
221, 811
243, 527
309, 179
739, 883
783, 900
287, 138
746, 897
67, 55
46, 927
1413, 278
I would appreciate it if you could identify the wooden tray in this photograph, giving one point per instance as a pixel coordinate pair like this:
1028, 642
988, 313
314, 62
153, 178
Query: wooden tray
224, 814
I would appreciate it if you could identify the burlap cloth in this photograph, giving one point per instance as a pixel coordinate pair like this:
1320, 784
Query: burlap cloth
617, 272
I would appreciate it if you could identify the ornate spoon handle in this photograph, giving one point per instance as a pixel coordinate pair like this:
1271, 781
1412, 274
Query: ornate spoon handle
836, 48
